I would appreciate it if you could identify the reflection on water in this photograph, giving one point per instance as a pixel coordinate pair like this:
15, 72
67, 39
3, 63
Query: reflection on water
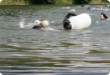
60, 52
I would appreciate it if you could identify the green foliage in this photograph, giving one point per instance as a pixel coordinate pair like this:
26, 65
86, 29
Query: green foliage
64, 2
104, 1
14, 2
56, 2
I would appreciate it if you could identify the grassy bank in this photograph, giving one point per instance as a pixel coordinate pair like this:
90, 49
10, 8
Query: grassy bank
56, 2
11, 2
99, 2
71, 2
64, 2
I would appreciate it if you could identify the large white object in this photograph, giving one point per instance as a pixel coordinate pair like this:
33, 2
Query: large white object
108, 74
80, 21
0, 0
109, 0
1, 74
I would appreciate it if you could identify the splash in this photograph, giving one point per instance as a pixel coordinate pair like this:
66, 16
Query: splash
22, 24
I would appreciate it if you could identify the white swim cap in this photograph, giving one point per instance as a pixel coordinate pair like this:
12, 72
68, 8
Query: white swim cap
45, 23
37, 22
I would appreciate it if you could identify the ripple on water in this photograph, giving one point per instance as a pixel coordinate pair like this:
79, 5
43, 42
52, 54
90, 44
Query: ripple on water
33, 52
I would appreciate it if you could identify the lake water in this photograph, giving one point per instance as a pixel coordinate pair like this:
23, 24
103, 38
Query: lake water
24, 51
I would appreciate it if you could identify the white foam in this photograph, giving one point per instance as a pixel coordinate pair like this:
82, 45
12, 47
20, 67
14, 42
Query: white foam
1, 74
21, 23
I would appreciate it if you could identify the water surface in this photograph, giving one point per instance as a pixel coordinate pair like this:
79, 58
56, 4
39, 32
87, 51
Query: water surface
53, 52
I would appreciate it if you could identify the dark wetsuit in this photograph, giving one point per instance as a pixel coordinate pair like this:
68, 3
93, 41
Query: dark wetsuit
68, 16
66, 22
104, 15
37, 26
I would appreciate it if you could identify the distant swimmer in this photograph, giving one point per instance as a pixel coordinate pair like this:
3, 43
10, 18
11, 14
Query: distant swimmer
103, 16
40, 24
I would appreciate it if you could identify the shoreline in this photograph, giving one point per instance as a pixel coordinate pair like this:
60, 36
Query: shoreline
70, 3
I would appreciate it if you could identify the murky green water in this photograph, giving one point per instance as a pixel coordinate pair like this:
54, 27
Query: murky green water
34, 52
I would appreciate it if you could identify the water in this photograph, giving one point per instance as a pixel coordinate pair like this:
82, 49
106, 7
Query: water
24, 51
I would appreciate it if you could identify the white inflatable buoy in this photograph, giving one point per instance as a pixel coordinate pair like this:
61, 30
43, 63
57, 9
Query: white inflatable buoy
109, 0
1, 74
80, 21
0, 0
108, 74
